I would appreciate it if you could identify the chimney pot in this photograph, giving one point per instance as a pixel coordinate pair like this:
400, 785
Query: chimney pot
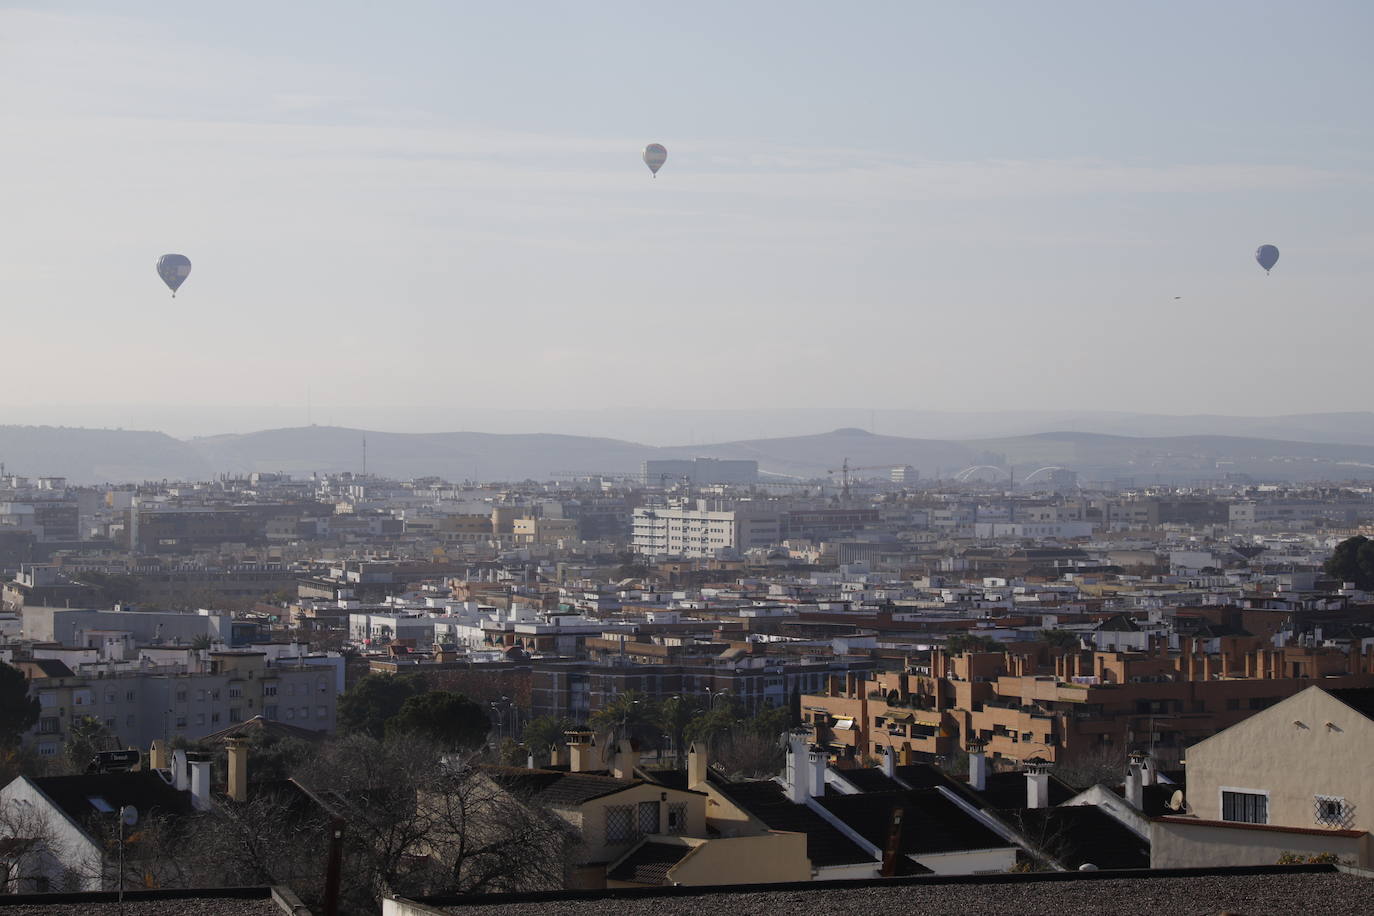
1037, 784
200, 784
697, 763
238, 769
181, 777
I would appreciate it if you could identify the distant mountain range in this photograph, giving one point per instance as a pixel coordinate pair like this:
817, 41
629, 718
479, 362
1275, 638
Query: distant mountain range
115, 456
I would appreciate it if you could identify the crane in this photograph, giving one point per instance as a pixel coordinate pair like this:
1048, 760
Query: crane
845, 468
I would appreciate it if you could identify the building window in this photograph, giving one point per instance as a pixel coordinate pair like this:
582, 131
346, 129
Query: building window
269, 690
1332, 811
235, 692
47, 749
129, 719
321, 712
181, 722
109, 721
677, 817
647, 820
48, 725
181, 696
1245, 807
617, 823
235, 715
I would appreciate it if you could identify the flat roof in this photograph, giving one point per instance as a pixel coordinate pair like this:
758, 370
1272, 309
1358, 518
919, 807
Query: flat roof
1266, 889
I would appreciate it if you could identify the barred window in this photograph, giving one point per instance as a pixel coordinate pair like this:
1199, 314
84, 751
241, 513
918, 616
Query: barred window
647, 821
618, 821
1332, 811
677, 817
1245, 807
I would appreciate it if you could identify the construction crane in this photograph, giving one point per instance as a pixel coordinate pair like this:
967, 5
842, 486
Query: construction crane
846, 468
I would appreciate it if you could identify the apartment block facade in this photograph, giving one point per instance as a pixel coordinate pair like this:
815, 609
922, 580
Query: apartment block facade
1070, 706
163, 702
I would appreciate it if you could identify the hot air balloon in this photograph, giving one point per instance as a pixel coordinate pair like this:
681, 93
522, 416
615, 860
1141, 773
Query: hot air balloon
174, 269
1268, 256
655, 154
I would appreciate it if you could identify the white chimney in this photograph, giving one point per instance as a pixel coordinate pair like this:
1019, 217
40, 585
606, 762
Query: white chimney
819, 761
181, 779
1149, 771
623, 760
797, 768
696, 765
889, 762
1135, 786
1037, 784
977, 768
200, 784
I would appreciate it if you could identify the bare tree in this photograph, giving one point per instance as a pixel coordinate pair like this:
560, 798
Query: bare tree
1104, 764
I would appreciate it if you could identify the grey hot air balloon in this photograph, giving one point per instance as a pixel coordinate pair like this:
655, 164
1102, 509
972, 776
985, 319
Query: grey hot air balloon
174, 269
1268, 256
655, 154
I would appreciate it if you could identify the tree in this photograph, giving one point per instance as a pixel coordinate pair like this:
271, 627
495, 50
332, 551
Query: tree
1061, 639
422, 822
544, 733
18, 711
366, 706
628, 716
675, 716
962, 643
450, 720
87, 737
1104, 764
1353, 561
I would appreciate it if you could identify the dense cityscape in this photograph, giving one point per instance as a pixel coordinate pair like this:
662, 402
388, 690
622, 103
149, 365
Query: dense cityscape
863, 675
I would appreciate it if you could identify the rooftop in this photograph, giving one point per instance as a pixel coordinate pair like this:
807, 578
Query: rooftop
1265, 891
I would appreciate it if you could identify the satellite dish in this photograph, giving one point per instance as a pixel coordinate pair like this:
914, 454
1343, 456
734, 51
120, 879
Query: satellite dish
1087, 866
128, 815
1176, 801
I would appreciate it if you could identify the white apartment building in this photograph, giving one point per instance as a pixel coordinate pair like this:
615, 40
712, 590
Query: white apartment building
698, 533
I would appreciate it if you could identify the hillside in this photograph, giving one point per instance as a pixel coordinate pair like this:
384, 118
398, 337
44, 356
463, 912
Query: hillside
454, 456
88, 456
111, 456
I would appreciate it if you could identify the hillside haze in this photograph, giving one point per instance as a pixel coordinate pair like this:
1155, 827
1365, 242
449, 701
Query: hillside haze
93, 456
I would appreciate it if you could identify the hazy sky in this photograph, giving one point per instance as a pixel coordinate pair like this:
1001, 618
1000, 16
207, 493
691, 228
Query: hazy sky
900, 205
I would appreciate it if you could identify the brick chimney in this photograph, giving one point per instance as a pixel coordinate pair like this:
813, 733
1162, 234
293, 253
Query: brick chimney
238, 769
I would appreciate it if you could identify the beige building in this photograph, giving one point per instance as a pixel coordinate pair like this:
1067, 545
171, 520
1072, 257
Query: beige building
1289, 779
634, 832
544, 531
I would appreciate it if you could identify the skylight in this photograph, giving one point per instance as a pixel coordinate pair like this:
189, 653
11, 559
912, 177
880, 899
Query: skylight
100, 804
